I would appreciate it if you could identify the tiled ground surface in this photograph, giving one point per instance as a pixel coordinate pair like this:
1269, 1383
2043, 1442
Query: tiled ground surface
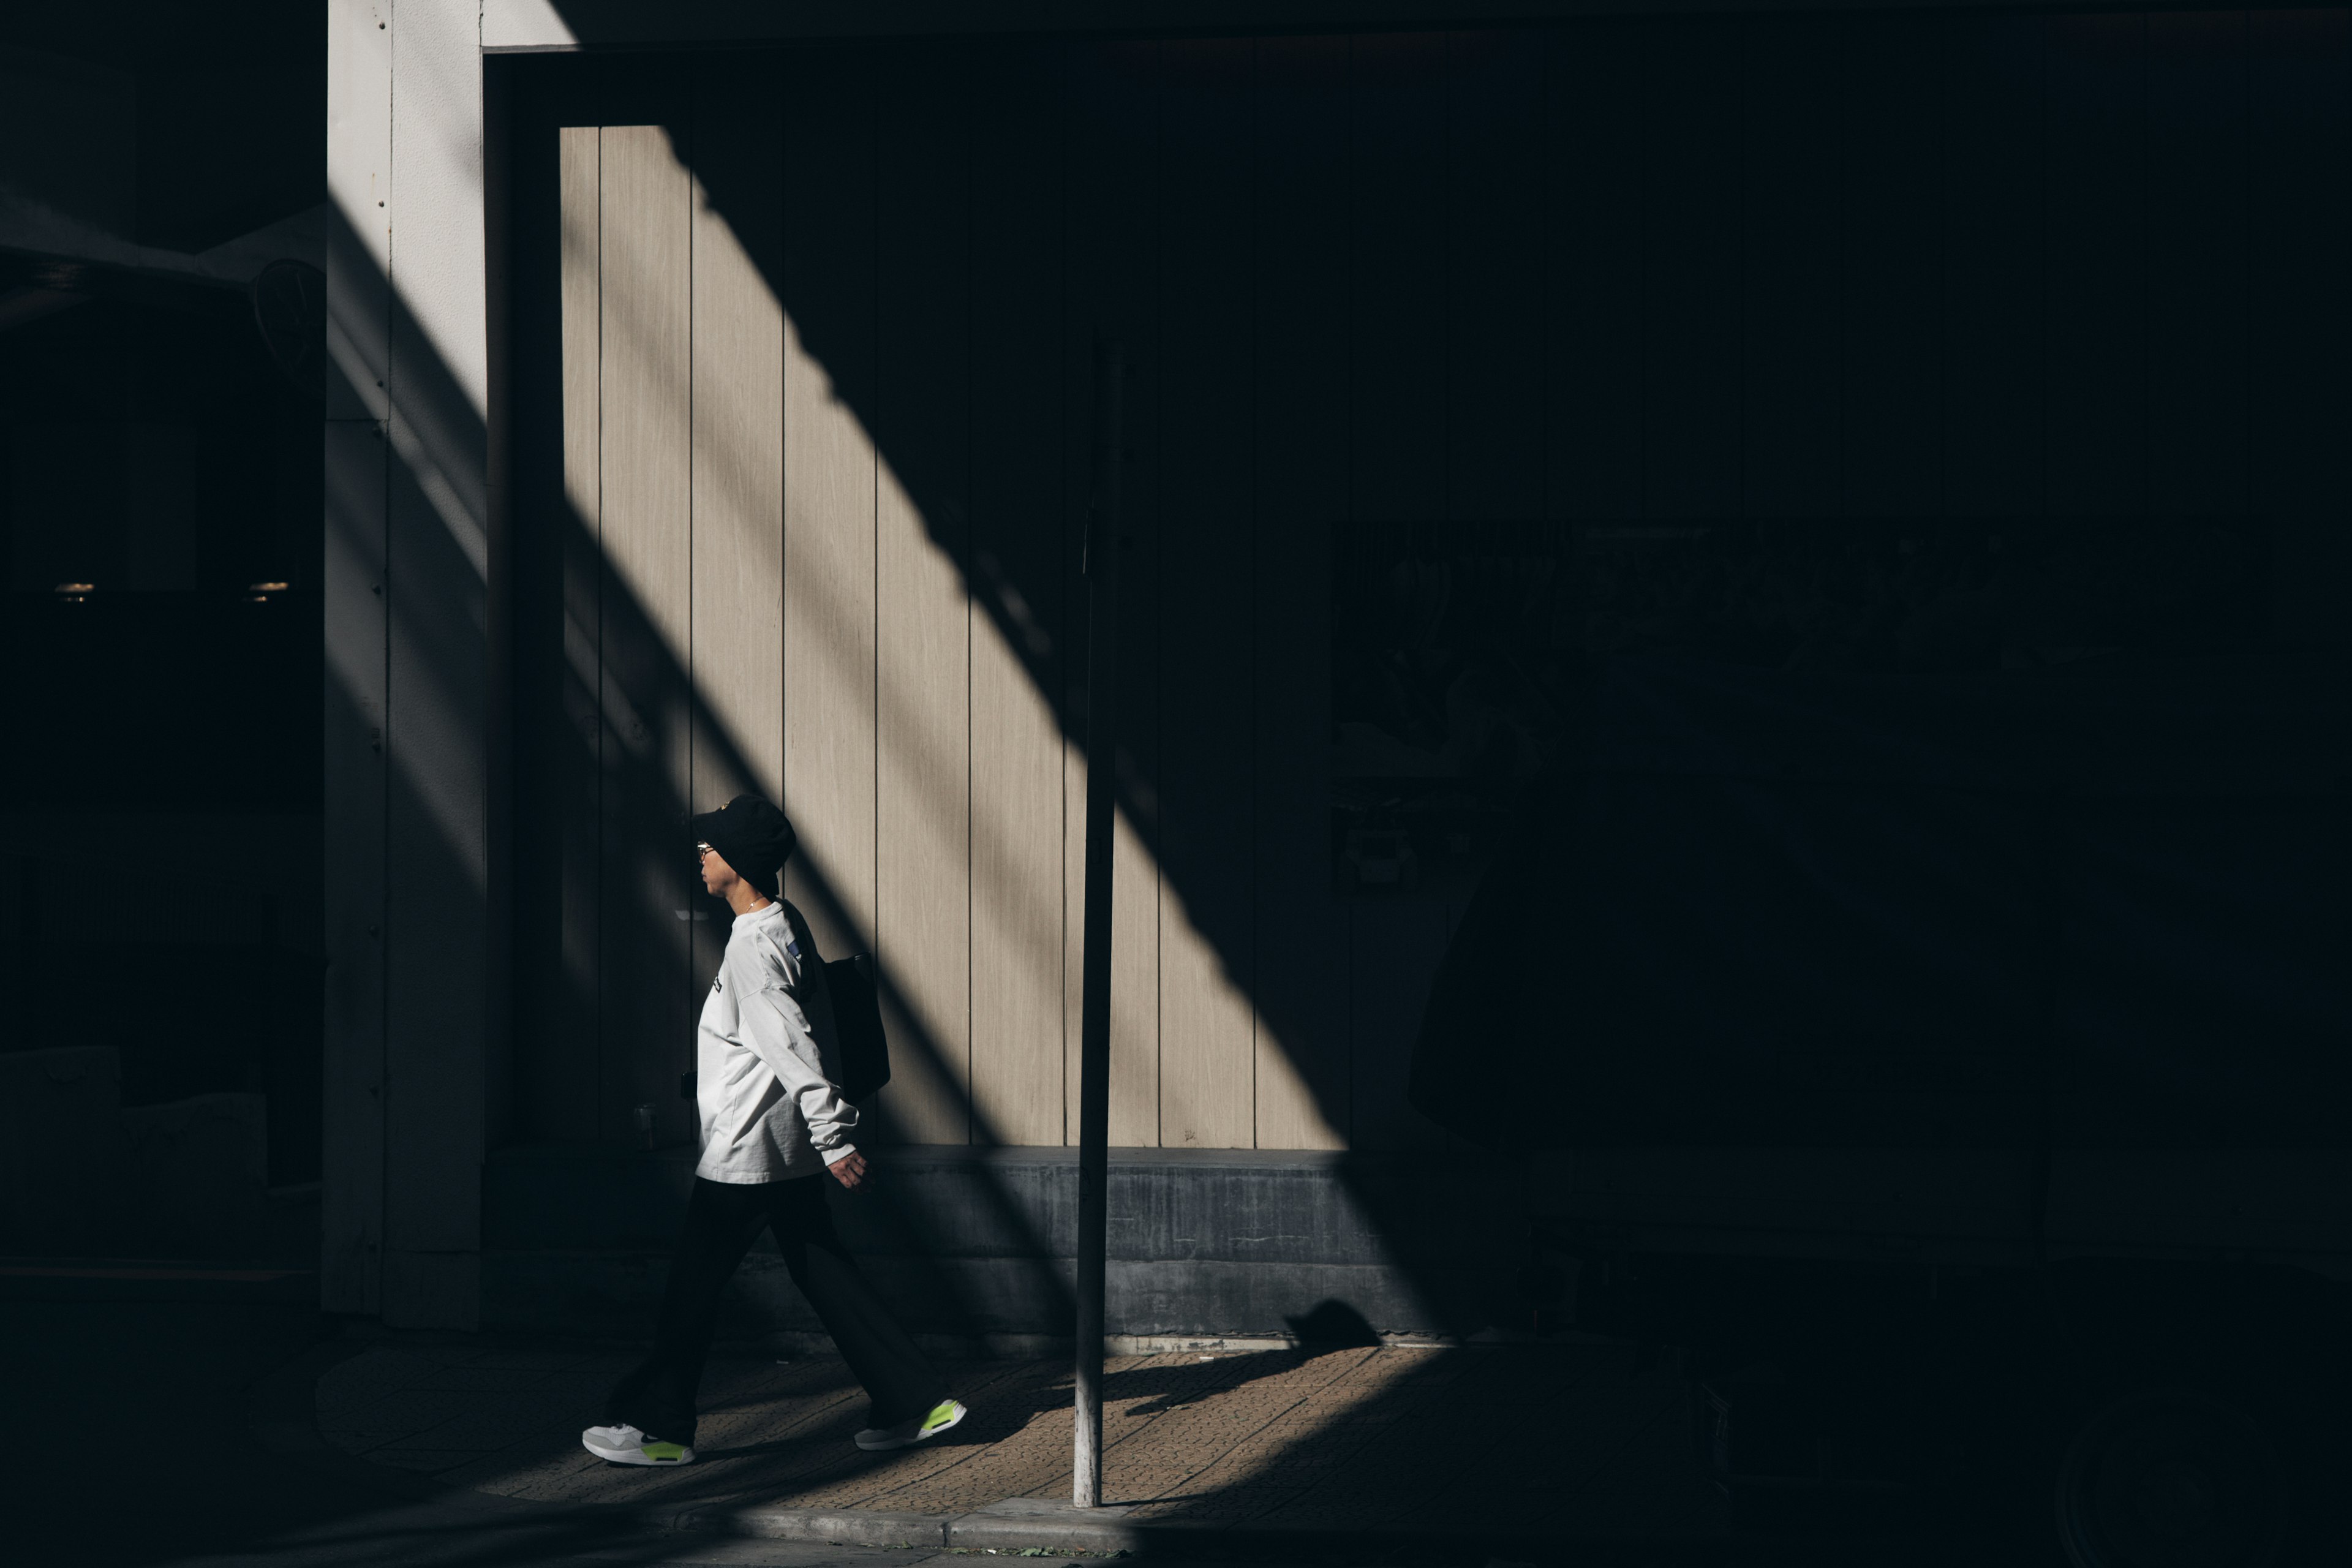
1355, 1438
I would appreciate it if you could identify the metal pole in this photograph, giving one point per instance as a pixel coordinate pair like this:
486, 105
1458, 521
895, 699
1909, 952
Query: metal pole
1103, 546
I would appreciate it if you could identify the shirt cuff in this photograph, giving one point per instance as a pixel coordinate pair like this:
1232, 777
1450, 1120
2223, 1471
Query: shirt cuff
836, 1157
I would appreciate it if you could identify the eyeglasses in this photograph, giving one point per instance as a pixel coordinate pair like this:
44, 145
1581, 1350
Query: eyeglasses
701, 850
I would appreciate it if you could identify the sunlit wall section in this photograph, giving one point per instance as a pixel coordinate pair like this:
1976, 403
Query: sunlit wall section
647, 602
1297, 180
1110, 277
829, 500
827, 391
921, 417
1017, 568
1208, 519
738, 459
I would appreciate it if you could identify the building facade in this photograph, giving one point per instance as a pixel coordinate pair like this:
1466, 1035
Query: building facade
710, 412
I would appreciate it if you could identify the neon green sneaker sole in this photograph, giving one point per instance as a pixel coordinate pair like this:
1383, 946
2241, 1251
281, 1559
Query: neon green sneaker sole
941, 1417
627, 1446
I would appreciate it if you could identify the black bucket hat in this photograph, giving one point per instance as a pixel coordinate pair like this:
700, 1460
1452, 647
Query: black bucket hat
751, 836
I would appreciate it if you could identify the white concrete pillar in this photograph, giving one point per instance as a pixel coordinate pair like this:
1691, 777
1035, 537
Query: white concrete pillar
410, 1030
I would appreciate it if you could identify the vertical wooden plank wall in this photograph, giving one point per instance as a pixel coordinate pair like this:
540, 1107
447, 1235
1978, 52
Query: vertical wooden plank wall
1891, 264
1022, 632
1205, 669
1111, 281
923, 633
1691, 271
2197, 230
738, 523
1493, 231
1399, 465
828, 399
1791, 221
647, 397
1594, 166
1303, 351
2096, 271
1991, 297
737, 527
829, 494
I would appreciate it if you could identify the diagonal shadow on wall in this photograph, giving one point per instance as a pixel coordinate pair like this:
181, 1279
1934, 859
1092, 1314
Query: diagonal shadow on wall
1215, 766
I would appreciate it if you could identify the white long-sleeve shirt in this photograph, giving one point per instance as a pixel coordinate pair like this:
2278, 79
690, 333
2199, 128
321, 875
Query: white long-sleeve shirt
767, 1069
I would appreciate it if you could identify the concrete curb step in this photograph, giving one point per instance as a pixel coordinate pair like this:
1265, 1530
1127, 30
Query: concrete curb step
1020, 1524
1016, 1524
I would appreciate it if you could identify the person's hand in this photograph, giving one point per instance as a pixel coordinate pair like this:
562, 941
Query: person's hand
849, 1170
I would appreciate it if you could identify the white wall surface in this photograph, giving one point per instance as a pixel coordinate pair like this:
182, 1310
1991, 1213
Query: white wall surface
410, 1033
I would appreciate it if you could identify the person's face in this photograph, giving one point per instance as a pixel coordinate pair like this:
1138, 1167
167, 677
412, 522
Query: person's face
718, 876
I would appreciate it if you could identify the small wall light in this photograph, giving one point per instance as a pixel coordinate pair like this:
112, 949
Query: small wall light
261, 591
75, 592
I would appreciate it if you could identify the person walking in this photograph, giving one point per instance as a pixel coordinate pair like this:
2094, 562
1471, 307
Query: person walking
767, 1077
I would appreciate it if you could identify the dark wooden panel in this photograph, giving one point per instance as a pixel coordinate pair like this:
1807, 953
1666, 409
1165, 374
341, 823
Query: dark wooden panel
1395, 947
1496, 226
924, 260
553, 268
829, 490
1893, 263
1992, 299
647, 893
648, 897
1206, 594
1592, 280
2096, 192
1494, 232
562, 1041
1113, 271
1690, 385
1792, 115
923, 635
2300, 142
1301, 262
2196, 281
1400, 467
1398, 289
736, 574
1021, 633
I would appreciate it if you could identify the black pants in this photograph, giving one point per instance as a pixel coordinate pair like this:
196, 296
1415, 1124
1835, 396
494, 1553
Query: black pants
722, 1219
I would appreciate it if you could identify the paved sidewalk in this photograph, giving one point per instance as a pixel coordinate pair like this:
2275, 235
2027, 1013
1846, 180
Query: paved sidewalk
1553, 1442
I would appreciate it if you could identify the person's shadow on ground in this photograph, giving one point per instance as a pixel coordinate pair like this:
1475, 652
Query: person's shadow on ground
1005, 1405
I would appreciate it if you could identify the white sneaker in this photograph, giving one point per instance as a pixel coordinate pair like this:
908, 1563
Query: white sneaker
907, 1433
627, 1446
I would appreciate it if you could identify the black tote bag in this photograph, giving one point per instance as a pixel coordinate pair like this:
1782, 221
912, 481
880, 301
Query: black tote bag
857, 1023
